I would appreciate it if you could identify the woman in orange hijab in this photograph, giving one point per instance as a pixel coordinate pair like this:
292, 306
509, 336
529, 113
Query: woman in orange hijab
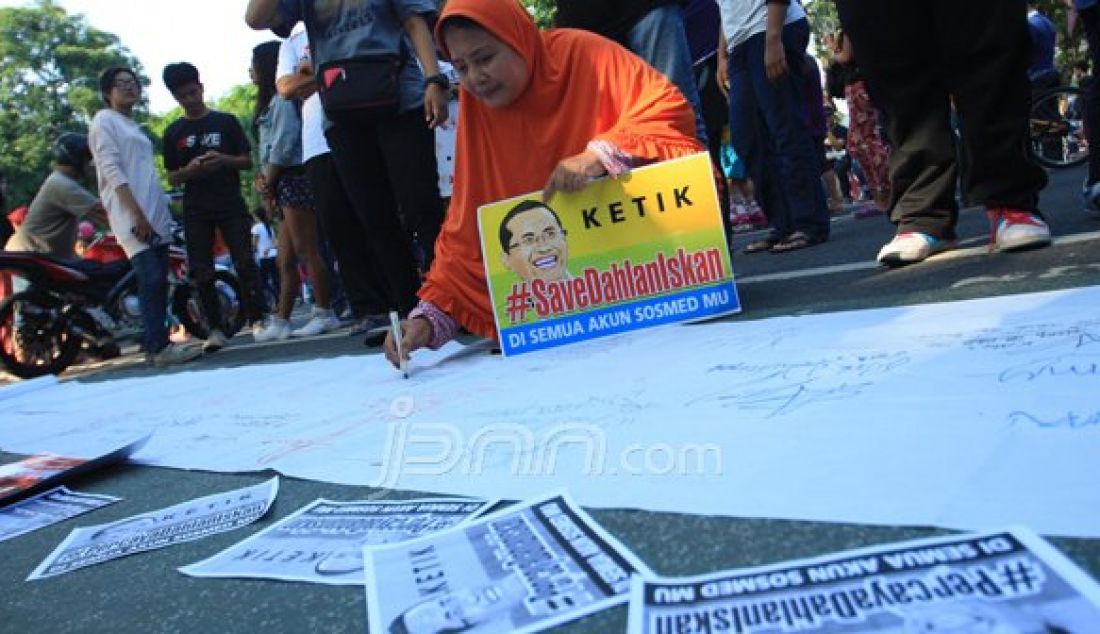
538, 110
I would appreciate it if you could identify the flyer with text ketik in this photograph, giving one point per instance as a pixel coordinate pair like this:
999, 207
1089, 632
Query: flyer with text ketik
643, 250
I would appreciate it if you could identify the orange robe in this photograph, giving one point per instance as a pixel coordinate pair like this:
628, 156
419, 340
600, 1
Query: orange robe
581, 88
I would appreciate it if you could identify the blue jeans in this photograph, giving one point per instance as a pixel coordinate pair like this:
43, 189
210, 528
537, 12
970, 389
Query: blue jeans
769, 131
151, 268
659, 39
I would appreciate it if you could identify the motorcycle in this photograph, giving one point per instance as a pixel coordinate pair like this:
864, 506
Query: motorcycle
74, 305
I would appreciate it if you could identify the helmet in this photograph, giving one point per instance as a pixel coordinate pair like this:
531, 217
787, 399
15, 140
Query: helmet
72, 149
85, 230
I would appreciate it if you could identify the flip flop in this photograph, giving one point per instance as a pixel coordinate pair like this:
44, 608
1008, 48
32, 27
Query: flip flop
795, 241
759, 246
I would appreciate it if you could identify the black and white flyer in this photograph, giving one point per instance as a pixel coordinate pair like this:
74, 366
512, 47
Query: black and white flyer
323, 542
523, 569
156, 529
46, 509
1007, 582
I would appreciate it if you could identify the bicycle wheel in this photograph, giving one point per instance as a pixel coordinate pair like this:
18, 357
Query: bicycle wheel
1056, 128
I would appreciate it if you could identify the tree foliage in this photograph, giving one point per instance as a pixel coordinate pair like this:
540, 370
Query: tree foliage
49, 67
542, 10
1071, 45
822, 17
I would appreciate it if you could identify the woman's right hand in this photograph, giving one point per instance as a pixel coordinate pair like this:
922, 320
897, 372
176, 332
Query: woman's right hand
573, 173
416, 333
259, 183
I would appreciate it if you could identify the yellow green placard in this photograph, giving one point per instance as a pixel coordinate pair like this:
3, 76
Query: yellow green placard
639, 251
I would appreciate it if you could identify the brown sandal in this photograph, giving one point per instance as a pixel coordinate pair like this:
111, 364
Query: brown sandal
760, 246
795, 241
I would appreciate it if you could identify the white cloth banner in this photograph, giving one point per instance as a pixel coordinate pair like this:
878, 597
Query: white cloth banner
973, 414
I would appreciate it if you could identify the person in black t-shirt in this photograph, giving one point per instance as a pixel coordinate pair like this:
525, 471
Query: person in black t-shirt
205, 151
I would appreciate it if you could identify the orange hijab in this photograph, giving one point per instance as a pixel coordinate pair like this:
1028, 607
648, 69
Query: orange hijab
581, 87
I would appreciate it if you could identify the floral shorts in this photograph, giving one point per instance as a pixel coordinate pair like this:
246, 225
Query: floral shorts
294, 190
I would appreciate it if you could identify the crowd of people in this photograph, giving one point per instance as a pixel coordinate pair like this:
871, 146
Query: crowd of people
352, 95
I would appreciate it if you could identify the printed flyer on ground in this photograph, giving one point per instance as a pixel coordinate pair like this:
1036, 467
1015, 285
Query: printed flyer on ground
184, 522
523, 569
47, 509
47, 470
323, 542
1009, 582
624, 254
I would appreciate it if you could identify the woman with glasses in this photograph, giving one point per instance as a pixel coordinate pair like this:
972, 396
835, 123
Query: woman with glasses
137, 207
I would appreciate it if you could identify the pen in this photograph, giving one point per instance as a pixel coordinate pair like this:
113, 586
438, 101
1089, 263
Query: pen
395, 325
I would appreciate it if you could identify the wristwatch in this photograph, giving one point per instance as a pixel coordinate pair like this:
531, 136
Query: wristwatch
439, 80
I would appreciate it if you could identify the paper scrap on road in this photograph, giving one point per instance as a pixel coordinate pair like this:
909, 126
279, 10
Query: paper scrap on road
184, 522
524, 569
47, 509
1003, 581
323, 542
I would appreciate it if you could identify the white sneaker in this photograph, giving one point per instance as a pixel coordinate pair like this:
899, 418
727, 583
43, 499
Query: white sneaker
1014, 230
276, 330
173, 354
215, 341
910, 247
323, 320
257, 328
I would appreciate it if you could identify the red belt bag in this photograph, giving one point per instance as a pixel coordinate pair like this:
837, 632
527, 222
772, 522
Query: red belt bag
368, 84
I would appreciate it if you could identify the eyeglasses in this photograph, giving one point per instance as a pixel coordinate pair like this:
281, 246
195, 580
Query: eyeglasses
529, 240
125, 83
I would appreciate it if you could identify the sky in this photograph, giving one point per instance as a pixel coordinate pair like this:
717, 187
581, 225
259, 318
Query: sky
211, 34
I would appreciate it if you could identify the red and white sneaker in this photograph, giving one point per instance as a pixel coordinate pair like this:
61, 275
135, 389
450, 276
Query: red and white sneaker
910, 247
1016, 230
757, 216
739, 218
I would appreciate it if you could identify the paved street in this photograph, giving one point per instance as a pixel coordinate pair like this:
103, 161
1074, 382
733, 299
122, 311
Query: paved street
144, 593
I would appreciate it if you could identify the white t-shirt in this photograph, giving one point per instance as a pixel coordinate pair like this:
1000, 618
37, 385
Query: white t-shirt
124, 156
445, 137
292, 51
265, 242
742, 19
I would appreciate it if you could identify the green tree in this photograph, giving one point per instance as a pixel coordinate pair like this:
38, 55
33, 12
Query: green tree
50, 62
822, 17
542, 10
240, 101
1071, 45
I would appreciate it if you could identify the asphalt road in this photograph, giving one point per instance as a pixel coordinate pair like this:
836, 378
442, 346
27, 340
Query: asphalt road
144, 593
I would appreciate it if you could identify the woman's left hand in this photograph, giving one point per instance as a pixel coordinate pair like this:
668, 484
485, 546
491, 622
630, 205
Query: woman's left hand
435, 105
572, 174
